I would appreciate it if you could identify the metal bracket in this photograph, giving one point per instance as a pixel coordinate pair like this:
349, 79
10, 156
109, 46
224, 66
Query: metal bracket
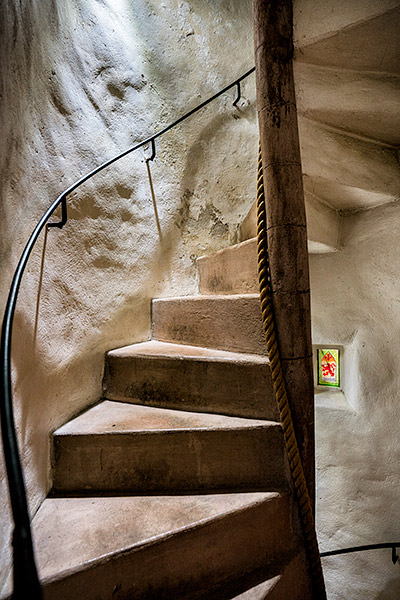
395, 557
153, 151
64, 215
239, 94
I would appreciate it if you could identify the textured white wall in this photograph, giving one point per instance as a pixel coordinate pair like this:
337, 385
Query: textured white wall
356, 303
80, 81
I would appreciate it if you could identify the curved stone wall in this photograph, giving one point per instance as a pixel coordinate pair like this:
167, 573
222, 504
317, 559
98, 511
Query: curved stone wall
80, 82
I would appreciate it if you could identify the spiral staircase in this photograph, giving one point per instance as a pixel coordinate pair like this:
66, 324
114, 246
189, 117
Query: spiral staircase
175, 485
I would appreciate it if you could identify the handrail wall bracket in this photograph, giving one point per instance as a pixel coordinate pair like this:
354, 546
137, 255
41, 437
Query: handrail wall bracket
239, 94
153, 150
64, 215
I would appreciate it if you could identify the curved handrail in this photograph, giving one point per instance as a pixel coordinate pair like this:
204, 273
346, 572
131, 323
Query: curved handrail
365, 548
25, 573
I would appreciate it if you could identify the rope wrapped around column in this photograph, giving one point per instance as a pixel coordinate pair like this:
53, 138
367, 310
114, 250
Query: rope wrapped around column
296, 468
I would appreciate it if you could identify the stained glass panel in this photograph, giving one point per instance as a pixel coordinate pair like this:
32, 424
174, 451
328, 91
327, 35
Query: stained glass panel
328, 367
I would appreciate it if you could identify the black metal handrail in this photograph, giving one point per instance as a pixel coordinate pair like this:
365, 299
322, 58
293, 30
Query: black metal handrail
392, 545
26, 582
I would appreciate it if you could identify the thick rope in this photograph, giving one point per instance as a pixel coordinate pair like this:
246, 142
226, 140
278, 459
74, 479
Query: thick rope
296, 467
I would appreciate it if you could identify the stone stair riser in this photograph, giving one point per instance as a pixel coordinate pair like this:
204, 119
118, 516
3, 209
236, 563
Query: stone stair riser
172, 461
230, 271
230, 323
291, 584
231, 388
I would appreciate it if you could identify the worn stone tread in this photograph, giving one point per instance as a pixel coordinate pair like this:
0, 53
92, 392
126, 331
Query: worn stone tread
117, 446
157, 546
110, 417
156, 348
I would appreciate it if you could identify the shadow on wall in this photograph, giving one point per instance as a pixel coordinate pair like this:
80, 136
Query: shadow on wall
181, 34
215, 202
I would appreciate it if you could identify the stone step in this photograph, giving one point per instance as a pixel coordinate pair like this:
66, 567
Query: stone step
224, 322
160, 547
349, 172
191, 378
344, 41
126, 447
323, 226
292, 583
232, 270
367, 105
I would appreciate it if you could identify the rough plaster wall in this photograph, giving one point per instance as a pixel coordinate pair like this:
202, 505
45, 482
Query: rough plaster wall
355, 302
83, 80
80, 81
